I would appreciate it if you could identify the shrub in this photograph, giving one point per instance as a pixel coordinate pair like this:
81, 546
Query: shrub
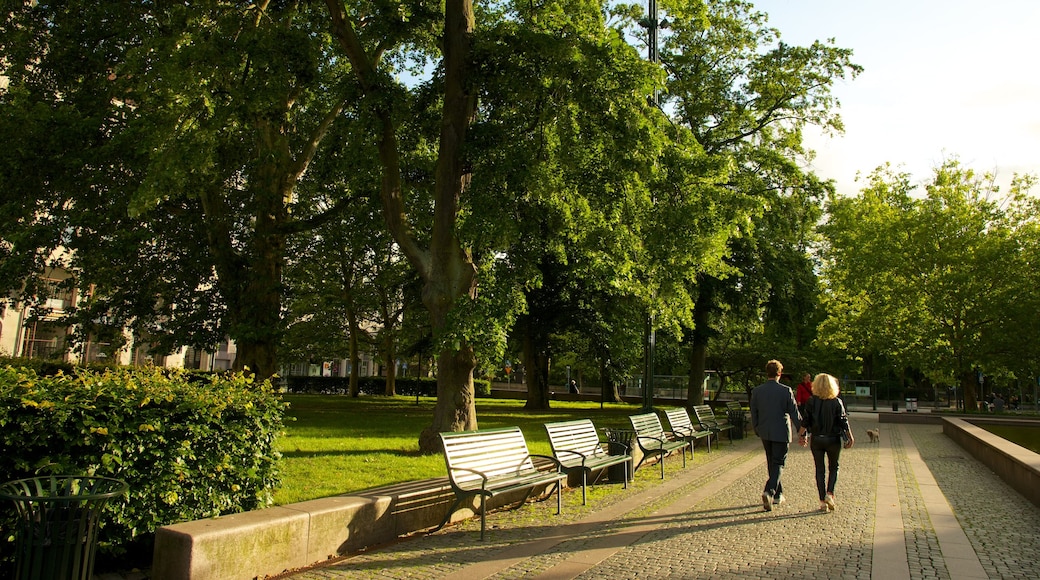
405, 386
188, 449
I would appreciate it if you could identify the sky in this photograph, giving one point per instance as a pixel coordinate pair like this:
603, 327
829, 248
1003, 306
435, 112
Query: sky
942, 79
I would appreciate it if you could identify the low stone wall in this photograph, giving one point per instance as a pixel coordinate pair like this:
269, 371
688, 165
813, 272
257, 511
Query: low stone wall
1017, 466
270, 541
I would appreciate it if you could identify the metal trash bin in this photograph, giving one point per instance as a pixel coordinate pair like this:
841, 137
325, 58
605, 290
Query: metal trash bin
911, 405
58, 515
620, 442
737, 418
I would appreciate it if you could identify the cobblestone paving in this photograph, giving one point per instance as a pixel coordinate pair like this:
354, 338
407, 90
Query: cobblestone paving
922, 545
449, 550
728, 535
1002, 526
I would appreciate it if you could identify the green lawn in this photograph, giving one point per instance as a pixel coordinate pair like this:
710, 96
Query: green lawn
336, 444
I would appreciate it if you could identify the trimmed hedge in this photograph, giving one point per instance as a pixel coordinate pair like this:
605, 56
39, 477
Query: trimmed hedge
373, 386
189, 449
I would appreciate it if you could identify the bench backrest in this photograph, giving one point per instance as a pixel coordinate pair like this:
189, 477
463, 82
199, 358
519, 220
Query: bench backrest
647, 425
679, 419
704, 414
579, 436
733, 406
493, 452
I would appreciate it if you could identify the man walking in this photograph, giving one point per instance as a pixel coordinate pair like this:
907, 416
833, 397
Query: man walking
773, 412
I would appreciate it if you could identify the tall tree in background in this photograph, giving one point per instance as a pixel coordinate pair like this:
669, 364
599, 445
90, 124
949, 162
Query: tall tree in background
747, 96
933, 282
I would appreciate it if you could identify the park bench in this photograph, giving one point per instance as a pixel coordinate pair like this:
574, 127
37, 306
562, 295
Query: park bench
708, 420
485, 463
653, 440
734, 407
682, 426
577, 447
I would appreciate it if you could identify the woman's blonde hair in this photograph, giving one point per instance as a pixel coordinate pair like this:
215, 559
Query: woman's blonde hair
825, 386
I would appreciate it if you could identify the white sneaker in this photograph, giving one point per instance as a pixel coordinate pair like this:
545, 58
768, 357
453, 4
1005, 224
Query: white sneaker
767, 501
779, 499
829, 500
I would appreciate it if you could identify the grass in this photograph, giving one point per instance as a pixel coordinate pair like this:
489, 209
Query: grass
336, 444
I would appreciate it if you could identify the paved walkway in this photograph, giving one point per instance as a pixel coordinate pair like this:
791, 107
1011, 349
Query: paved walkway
914, 506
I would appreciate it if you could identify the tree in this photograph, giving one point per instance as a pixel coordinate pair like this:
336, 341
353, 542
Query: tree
204, 118
932, 282
746, 96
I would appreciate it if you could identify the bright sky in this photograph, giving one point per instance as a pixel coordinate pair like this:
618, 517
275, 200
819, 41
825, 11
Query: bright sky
941, 79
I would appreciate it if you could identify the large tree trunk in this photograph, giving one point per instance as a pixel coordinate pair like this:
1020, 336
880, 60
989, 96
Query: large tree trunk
699, 349
536, 361
971, 400
455, 409
446, 268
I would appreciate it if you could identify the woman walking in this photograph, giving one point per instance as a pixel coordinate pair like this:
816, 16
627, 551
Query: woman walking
826, 421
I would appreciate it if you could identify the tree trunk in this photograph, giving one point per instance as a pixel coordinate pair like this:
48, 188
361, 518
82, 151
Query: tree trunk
455, 409
609, 387
354, 387
536, 361
971, 400
446, 267
698, 350
391, 366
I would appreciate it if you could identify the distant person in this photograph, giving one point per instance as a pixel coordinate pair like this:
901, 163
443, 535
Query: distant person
773, 413
803, 392
573, 387
827, 422
998, 403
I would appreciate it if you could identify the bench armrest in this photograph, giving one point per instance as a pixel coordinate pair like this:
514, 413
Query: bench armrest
549, 458
483, 476
578, 453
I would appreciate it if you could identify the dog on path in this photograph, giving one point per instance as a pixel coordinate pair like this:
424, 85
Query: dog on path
874, 435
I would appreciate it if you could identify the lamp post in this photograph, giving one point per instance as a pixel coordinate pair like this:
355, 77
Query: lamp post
652, 25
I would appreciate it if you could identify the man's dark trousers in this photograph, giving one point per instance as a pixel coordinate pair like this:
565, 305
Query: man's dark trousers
776, 457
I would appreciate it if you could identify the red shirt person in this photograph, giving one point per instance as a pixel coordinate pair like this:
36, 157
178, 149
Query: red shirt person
803, 393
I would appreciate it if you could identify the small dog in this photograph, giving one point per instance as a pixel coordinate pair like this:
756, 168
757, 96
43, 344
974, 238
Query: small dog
874, 435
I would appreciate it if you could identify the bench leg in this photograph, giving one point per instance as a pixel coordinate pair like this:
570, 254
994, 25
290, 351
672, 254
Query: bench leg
584, 484
483, 517
447, 516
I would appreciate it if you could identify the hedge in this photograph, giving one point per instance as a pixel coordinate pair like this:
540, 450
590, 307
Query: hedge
404, 386
189, 449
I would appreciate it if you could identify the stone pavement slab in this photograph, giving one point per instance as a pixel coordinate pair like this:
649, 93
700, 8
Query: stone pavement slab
915, 505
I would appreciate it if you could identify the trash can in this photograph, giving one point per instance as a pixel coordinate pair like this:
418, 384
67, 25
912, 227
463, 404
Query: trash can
895, 405
620, 442
736, 418
56, 533
911, 405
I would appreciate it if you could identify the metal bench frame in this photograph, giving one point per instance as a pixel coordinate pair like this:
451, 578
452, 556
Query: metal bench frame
708, 420
653, 440
577, 447
680, 423
486, 463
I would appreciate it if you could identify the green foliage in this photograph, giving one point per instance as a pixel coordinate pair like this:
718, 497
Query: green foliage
942, 282
189, 449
